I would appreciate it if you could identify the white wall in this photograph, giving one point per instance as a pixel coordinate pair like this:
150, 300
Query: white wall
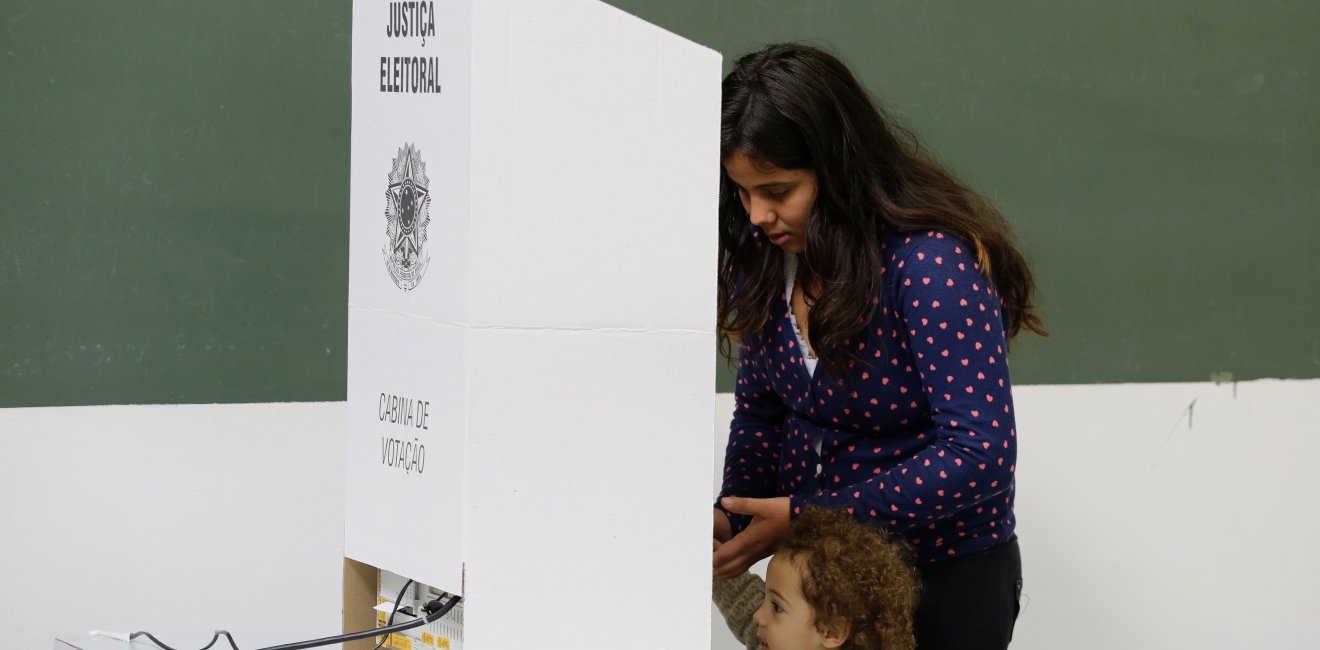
1144, 524
177, 520
1157, 516
1169, 515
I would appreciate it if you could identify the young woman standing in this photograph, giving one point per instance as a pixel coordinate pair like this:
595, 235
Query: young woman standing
871, 297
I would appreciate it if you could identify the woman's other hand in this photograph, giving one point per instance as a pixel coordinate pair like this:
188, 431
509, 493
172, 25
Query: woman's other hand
770, 520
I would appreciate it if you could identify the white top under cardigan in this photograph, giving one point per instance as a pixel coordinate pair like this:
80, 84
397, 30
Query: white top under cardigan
808, 359
790, 278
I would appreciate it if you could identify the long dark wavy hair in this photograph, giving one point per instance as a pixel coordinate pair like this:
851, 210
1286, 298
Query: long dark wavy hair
797, 107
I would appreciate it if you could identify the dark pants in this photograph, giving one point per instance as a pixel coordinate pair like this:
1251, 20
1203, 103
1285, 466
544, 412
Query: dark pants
970, 603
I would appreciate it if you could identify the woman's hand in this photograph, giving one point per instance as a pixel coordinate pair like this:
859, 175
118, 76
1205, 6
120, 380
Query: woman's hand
769, 524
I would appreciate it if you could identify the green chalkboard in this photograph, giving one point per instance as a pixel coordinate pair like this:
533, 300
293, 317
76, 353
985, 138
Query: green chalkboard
173, 201
174, 180
1160, 161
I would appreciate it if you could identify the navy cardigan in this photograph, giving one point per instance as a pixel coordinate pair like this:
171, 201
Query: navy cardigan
919, 438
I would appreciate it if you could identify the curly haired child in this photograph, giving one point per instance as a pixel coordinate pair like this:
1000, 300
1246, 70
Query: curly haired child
833, 583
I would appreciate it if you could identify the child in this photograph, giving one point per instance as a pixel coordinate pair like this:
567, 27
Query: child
833, 583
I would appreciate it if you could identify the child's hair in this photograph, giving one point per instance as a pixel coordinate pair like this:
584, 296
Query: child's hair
857, 574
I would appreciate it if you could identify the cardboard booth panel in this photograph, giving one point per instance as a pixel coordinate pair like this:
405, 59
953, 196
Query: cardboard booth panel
411, 153
594, 414
595, 171
407, 412
566, 126
588, 474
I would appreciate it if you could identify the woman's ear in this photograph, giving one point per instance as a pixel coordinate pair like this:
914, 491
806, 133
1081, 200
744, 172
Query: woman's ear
835, 633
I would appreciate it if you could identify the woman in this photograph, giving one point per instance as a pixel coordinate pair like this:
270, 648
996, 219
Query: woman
872, 296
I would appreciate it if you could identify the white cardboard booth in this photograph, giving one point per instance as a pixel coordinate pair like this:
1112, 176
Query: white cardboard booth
531, 311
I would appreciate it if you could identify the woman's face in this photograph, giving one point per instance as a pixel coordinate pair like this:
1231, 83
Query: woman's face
778, 201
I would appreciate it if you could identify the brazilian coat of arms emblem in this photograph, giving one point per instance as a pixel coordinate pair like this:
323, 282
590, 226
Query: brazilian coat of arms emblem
407, 214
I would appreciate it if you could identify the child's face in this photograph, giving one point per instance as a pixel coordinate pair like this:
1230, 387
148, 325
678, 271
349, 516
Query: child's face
785, 621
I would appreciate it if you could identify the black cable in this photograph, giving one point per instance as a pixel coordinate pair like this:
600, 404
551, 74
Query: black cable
214, 638
434, 613
390, 621
344, 638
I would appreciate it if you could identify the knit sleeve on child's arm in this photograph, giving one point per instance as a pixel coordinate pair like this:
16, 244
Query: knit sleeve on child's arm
952, 317
737, 599
751, 459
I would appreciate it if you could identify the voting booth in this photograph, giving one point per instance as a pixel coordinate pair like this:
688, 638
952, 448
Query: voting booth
531, 311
